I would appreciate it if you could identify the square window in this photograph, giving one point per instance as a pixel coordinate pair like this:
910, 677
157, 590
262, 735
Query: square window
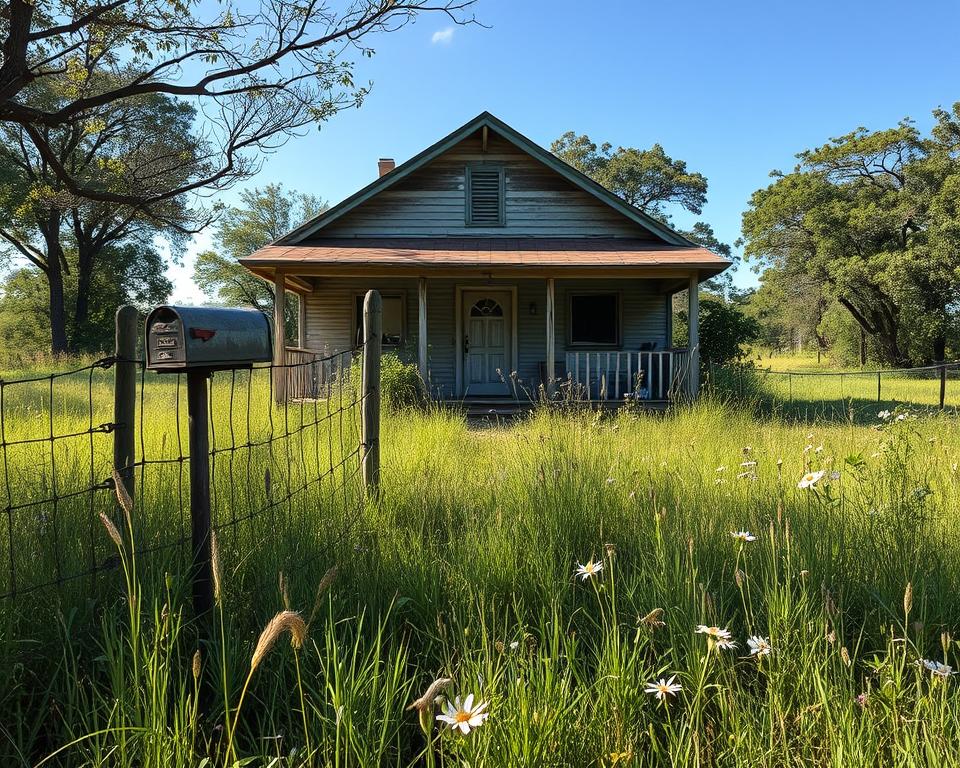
392, 320
595, 319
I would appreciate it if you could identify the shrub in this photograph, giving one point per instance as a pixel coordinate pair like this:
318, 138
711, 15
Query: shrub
400, 383
724, 330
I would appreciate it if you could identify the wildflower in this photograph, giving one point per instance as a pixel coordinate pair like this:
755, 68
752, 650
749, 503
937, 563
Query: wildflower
749, 475
818, 449
808, 448
714, 633
589, 570
759, 646
862, 700
900, 417
884, 415
722, 468
937, 669
743, 536
610, 481
748, 463
514, 645
662, 687
726, 645
811, 479
463, 716
835, 475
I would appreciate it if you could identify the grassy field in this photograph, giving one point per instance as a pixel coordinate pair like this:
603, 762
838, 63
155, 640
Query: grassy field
798, 387
465, 570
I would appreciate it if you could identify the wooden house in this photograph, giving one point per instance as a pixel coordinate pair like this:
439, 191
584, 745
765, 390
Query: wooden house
502, 270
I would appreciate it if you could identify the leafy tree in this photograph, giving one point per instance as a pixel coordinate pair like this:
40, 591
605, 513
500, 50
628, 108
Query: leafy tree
260, 73
725, 329
871, 218
650, 180
145, 144
127, 273
262, 216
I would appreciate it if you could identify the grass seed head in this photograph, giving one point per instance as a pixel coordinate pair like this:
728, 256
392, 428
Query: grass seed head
907, 599
425, 702
123, 498
196, 664
111, 530
654, 619
215, 567
328, 578
285, 621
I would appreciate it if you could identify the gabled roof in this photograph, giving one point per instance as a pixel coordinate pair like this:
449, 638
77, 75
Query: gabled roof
484, 119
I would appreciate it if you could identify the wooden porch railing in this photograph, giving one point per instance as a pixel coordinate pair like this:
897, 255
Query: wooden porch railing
621, 375
311, 375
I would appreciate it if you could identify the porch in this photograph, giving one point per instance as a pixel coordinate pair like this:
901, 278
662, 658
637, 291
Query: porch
501, 339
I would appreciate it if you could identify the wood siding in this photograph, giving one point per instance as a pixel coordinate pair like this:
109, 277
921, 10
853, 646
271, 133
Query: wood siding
330, 319
431, 202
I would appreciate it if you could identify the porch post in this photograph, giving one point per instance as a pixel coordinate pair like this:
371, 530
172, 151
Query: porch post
279, 334
551, 343
693, 317
422, 337
302, 321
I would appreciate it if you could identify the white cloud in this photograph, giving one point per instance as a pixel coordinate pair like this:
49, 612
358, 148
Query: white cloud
442, 36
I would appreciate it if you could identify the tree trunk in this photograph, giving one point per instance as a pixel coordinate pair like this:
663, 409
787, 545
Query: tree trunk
81, 313
54, 273
940, 348
58, 310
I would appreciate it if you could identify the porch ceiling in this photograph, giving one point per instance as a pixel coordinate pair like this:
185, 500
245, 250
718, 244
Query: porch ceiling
533, 256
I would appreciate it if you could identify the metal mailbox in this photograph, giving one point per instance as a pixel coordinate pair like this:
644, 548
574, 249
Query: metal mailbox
187, 338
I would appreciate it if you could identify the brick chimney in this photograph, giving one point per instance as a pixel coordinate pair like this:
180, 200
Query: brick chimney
385, 165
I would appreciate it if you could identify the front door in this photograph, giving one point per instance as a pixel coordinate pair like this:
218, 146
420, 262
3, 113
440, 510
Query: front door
486, 342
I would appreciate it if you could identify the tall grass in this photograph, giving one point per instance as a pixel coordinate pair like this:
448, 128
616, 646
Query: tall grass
465, 568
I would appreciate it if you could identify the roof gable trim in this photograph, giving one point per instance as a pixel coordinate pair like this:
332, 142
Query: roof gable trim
484, 120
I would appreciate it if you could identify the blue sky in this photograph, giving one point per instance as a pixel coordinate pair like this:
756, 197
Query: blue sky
735, 89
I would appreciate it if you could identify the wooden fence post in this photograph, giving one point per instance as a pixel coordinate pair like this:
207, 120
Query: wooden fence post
372, 339
943, 385
125, 394
199, 443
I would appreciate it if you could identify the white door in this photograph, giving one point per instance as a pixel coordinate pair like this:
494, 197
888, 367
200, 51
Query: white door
486, 342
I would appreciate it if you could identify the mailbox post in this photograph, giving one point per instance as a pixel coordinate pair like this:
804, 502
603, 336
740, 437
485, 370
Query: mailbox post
198, 341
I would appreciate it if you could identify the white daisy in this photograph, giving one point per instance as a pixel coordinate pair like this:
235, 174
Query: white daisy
937, 669
884, 415
714, 633
726, 645
759, 646
743, 536
463, 716
811, 479
660, 688
589, 570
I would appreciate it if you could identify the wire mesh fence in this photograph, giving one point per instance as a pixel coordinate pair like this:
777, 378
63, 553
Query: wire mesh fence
281, 466
844, 394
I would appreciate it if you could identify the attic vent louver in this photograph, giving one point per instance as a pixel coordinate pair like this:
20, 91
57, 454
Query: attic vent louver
485, 196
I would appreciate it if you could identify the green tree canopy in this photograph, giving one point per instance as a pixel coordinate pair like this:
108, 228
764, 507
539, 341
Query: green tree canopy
648, 179
870, 219
143, 146
262, 216
260, 72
